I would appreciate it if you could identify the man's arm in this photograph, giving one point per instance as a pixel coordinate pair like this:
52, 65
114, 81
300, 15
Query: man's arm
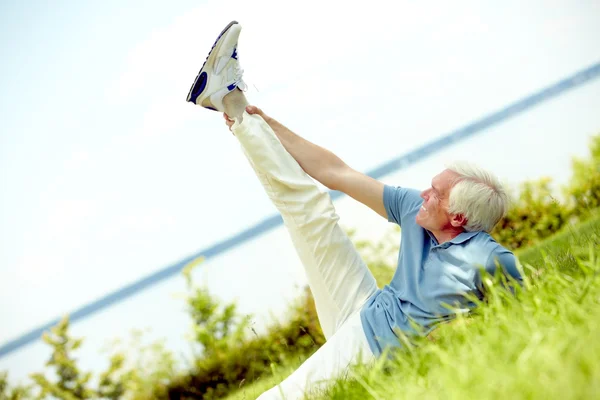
327, 168
362, 188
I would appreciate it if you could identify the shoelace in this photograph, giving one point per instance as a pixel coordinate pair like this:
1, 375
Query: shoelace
238, 73
233, 72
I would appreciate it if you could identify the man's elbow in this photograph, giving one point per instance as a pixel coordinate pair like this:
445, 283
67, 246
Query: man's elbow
336, 176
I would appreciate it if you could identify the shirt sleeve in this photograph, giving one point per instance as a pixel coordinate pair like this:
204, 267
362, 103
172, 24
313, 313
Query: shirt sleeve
399, 202
507, 261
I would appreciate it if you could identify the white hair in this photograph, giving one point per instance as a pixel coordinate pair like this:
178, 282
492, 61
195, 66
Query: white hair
478, 195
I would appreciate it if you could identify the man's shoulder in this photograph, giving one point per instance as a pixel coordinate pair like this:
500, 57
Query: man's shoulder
495, 254
410, 196
487, 241
484, 244
401, 203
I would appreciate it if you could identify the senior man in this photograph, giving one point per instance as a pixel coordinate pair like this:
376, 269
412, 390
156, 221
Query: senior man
445, 244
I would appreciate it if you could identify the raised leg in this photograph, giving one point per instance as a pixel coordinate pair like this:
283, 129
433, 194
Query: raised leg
339, 279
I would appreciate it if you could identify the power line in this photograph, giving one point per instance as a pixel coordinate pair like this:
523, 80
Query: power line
584, 76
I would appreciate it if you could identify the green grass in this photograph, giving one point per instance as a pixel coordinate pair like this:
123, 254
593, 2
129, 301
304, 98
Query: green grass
564, 247
255, 389
542, 344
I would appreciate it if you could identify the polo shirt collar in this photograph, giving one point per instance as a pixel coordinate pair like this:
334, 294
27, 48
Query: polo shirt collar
461, 238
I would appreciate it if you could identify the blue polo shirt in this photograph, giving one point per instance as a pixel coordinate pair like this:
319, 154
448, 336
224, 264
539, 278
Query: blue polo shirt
429, 274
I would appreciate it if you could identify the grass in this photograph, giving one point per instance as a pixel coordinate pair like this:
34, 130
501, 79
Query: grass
255, 389
540, 344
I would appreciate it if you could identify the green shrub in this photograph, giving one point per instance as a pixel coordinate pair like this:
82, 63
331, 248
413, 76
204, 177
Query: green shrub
70, 382
584, 188
230, 356
142, 374
12, 393
147, 368
220, 373
534, 214
217, 327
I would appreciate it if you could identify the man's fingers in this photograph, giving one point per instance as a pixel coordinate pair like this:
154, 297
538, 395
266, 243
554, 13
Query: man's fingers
228, 121
255, 110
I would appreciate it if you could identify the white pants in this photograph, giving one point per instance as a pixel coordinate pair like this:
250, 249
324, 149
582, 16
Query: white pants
339, 279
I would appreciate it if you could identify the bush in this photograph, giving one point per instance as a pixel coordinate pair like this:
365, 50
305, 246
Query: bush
220, 373
216, 326
144, 375
147, 368
584, 189
536, 214
12, 393
70, 382
229, 355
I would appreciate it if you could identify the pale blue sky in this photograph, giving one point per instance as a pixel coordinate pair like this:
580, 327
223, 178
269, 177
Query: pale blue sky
106, 174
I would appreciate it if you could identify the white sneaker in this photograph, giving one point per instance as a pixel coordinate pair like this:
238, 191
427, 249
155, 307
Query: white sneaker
220, 73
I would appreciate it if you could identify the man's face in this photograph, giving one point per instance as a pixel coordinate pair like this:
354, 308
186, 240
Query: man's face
433, 214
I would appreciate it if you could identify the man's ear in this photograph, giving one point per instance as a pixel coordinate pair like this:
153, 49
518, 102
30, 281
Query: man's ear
458, 220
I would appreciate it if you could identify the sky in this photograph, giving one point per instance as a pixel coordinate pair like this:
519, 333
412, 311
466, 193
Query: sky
107, 174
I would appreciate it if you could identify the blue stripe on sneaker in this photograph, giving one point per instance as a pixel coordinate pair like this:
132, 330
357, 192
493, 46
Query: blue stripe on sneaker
234, 55
232, 86
199, 87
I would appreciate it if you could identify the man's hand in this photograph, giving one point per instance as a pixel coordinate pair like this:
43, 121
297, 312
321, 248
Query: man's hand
252, 110
324, 166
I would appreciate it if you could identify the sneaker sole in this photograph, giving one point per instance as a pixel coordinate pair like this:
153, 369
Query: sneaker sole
198, 81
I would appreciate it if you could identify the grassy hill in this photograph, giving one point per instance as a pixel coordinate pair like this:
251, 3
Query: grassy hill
543, 344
